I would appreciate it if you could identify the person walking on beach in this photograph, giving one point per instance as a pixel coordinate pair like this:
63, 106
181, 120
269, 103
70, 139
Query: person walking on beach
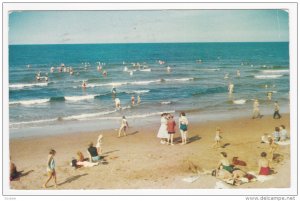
263, 164
276, 111
51, 168
171, 129
183, 126
123, 127
163, 132
256, 112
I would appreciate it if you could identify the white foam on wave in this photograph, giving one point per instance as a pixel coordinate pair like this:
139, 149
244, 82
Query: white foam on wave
12, 125
79, 98
147, 114
30, 102
87, 116
179, 80
144, 82
106, 84
165, 102
276, 71
21, 86
209, 69
140, 91
267, 76
240, 101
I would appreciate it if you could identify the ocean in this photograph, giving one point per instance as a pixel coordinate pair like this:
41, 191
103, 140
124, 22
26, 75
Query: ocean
197, 83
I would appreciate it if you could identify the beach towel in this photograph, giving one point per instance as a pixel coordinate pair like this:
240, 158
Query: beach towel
190, 179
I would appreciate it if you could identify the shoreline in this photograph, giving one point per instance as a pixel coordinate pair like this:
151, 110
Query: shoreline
139, 161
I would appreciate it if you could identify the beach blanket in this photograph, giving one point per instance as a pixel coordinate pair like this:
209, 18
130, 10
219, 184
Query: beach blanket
287, 142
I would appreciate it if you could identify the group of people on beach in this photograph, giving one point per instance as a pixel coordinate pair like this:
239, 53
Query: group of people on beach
168, 128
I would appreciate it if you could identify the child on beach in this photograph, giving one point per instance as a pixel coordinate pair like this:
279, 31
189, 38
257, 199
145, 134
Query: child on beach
118, 103
276, 111
273, 147
51, 168
171, 129
276, 135
217, 138
282, 133
124, 126
183, 126
263, 164
99, 144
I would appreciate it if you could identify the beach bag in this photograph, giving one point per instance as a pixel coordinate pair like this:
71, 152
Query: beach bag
183, 127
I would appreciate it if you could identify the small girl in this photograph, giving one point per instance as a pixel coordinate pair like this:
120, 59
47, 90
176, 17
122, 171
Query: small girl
99, 143
276, 135
51, 168
217, 138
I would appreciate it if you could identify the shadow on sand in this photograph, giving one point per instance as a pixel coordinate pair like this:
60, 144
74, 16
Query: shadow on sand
72, 178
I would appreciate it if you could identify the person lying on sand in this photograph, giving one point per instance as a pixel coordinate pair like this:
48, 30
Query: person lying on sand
93, 153
81, 162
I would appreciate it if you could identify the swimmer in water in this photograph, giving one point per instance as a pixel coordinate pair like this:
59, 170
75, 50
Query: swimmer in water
138, 99
238, 73
168, 69
226, 76
132, 100
269, 95
118, 103
104, 73
230, 88
83, 84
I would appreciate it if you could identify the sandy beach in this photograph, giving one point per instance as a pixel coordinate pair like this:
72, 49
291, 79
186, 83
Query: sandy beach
139, 161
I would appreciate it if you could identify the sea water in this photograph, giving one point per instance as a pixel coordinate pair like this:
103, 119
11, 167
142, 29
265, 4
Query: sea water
197, 83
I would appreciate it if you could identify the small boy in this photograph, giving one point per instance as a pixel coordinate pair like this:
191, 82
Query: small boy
282, 133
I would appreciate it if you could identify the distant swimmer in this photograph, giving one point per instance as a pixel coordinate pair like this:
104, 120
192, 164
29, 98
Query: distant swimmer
138, 99
230, 88
28, 66
168, 69
269, 95
99, 68
46, 77
238, 73
62, 65
84, 84
132, 100
199, 61
161, 62
59, 69
131, 73
125, 69
114, 90
118, 103
52, 69
104, 73
226, 76
65, 69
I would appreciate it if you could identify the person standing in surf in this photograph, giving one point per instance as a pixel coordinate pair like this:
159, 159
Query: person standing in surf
183, 126
171, 129
123, 127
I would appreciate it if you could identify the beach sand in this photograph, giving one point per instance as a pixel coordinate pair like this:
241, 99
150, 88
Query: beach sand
139, 161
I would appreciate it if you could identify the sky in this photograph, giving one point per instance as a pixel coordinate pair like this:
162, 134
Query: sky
152, 26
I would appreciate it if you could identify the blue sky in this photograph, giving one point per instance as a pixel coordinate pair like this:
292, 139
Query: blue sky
64, 27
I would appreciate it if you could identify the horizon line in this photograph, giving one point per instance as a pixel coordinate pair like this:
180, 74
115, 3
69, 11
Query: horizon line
148, 43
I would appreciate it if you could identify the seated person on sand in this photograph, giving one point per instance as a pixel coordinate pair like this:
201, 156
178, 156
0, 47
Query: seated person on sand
82, 162
93, 153
224, 163
14, 174
263, 164
276, 134
282, 133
